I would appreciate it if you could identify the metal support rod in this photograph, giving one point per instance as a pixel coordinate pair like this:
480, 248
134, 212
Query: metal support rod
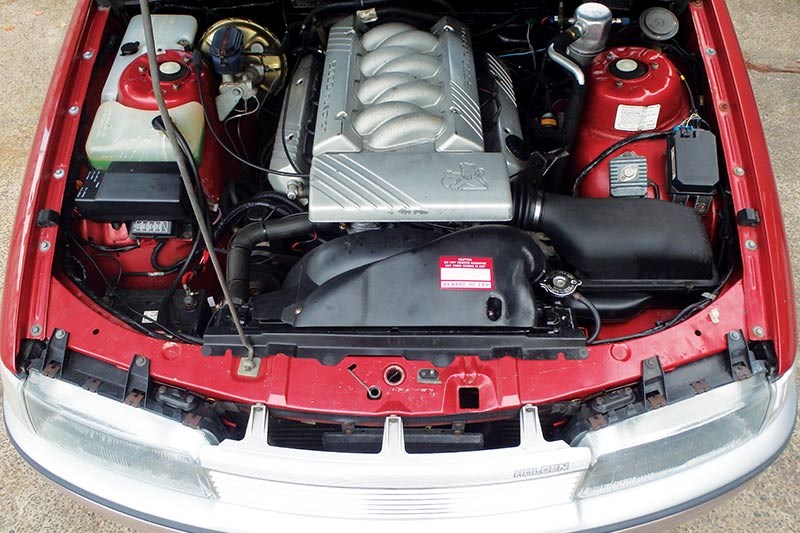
197, 209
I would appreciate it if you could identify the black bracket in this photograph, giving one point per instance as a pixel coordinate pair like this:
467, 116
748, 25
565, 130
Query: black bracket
47, 218
748, 217
138, 381
740, 357
654, 388
55, 355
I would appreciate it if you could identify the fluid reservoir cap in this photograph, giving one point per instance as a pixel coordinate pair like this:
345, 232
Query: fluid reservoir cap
628, 69
659, 24
129, 48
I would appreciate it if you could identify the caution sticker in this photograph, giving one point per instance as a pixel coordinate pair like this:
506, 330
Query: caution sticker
466, 273
637, 117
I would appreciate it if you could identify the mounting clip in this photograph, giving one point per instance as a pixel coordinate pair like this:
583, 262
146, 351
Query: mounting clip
741, 360
653, 385
137, 382
54, 356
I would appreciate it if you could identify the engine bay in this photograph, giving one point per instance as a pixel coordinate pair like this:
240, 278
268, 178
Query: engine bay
511, 180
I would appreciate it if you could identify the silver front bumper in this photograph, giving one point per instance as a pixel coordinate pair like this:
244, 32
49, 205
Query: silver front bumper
535, 486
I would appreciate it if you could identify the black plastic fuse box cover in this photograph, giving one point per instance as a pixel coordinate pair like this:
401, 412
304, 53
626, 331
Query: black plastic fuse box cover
133, 191
692, 163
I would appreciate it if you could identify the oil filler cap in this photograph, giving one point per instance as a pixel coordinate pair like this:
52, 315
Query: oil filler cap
659, 24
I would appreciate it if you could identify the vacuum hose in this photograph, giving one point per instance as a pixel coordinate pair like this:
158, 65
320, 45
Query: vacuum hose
251, 235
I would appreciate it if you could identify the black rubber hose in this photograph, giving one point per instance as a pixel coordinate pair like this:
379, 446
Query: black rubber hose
251, 235
574, 112
281, 206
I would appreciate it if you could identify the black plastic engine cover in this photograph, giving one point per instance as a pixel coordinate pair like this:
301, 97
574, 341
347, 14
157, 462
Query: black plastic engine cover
403, 277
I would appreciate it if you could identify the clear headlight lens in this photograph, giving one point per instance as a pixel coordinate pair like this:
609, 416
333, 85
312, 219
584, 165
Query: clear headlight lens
132, 442
674, 438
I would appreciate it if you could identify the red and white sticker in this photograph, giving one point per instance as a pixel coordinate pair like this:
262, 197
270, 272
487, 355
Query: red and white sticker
466, 273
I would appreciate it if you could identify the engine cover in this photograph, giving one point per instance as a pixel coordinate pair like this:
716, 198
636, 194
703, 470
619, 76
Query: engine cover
398, 133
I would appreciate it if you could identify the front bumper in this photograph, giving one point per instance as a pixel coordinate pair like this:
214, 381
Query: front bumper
256, 486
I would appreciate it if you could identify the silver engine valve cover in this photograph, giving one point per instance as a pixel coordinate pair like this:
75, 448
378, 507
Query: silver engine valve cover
398, 134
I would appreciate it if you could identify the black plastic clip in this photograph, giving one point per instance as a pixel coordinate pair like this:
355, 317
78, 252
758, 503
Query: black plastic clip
740, 357
654, 388
47, 218
748, 217
138, 381
54, 356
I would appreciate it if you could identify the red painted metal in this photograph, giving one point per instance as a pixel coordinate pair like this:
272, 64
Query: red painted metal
760, 296
136, 86
26, 293
660, 85
136, 260
769, 294
308, 385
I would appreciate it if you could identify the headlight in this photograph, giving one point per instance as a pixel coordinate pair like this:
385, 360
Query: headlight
667, 440
130, 441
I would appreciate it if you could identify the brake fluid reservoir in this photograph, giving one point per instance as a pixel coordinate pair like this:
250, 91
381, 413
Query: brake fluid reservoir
631, 90
122, 129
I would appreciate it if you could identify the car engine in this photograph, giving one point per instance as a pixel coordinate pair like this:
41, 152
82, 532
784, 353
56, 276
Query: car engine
521, 177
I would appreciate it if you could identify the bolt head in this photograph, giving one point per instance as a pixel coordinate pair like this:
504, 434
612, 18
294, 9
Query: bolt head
739, 171
60, 334
88, 54
162, 389
758, 331
711, 51
73, 110
44, 246
36, 329
750, 244
190, 398
140, 361
59, 173
298, 310
248, 365
734, 335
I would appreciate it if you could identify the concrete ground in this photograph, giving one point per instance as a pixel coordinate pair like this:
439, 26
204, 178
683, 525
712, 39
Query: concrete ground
30, 36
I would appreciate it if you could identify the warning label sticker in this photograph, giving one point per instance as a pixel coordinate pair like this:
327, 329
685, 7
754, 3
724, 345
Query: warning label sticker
466, 273
637, 117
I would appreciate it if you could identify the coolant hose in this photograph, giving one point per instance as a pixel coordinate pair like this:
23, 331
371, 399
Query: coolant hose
557, 51
251, 235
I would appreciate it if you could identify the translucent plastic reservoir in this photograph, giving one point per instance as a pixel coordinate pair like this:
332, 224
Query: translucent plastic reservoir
122, 133
171, 32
